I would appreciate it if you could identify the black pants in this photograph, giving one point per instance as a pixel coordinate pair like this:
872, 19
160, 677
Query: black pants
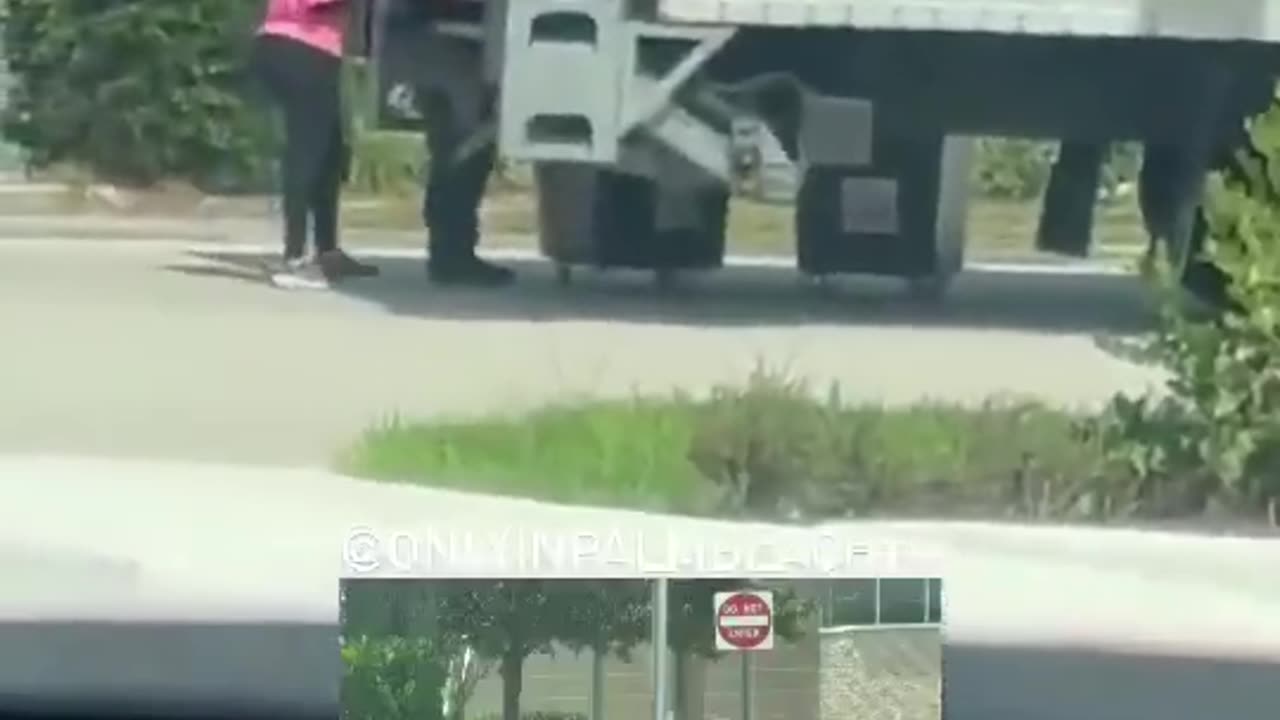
455, 188
306, 83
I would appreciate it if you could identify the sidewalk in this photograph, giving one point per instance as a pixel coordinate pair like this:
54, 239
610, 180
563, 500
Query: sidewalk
164, 538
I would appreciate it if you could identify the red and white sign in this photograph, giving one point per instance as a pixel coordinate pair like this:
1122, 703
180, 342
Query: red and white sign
744, 620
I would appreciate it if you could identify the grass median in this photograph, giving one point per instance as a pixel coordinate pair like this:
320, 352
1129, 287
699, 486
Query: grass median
772, 448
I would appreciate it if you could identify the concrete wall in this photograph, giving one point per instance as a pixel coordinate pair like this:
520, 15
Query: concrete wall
893, 673
786, 685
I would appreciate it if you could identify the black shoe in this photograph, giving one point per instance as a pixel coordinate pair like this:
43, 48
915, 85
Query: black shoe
337, 265
472, 272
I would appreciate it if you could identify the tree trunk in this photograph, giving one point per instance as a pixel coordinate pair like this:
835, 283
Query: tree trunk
512, 683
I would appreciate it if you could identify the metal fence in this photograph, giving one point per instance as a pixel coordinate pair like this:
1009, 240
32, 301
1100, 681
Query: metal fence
851, 673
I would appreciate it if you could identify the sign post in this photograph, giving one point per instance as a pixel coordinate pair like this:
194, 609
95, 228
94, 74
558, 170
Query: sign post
661, 673
744, 623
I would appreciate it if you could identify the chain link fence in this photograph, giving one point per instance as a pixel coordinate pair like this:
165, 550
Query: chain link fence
883, 672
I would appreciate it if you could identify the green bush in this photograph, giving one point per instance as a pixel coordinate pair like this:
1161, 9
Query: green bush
771, 449
1012, 169
1018, 169
135, 91
392, 678
776, 450
1214, 436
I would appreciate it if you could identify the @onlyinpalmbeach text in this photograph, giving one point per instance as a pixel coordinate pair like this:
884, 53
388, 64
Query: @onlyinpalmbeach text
452, 552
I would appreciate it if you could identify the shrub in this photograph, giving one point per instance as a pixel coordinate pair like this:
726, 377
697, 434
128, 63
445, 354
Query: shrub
776, 448
1018, 169
135, 91
392, 678
1214, 436
1012, 169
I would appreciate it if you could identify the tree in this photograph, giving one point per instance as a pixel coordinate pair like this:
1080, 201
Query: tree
392, 678
134, 90
394, 667
509, 620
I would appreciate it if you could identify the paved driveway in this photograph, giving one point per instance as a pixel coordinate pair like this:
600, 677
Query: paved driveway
155, 349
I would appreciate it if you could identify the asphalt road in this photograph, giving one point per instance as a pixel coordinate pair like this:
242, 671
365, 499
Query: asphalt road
168, 350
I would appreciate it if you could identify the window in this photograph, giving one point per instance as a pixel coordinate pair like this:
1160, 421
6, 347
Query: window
884, 601
852, 602
903, 600
935, 600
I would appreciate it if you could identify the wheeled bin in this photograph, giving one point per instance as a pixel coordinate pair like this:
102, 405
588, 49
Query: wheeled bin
607, 219
901, 216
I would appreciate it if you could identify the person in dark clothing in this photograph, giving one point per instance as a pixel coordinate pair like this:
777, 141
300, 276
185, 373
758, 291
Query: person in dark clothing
458, 173
457, 104
298, 55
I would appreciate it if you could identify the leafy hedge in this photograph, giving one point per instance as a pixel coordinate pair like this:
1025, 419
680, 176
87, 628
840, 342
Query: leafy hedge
1214, 437
1018, 169
135, 91
392, 678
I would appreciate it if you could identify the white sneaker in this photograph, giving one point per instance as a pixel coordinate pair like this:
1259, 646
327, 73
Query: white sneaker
299, 274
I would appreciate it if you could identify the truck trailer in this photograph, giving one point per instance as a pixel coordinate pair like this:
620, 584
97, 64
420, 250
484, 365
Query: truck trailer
641, 118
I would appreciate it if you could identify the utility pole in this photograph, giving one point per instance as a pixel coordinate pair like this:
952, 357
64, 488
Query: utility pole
661, 673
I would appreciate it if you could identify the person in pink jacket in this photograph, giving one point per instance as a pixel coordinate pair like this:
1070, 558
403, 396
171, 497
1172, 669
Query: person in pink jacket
299, 58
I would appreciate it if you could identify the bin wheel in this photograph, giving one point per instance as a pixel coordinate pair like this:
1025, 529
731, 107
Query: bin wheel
564, 275
929, 289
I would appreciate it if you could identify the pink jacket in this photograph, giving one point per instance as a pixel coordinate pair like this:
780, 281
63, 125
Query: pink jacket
318, 23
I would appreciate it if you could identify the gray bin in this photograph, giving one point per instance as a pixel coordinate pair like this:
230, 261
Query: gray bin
606, 219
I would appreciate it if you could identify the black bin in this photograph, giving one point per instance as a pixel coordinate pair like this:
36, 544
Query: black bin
903, 216
607, 219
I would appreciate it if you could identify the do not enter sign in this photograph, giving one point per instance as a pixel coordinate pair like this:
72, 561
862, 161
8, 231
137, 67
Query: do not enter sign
744, 620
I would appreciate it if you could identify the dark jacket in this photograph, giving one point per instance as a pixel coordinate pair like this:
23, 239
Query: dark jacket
428, 11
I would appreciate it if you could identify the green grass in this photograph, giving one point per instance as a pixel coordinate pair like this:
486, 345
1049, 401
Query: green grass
672, 454
620, 453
